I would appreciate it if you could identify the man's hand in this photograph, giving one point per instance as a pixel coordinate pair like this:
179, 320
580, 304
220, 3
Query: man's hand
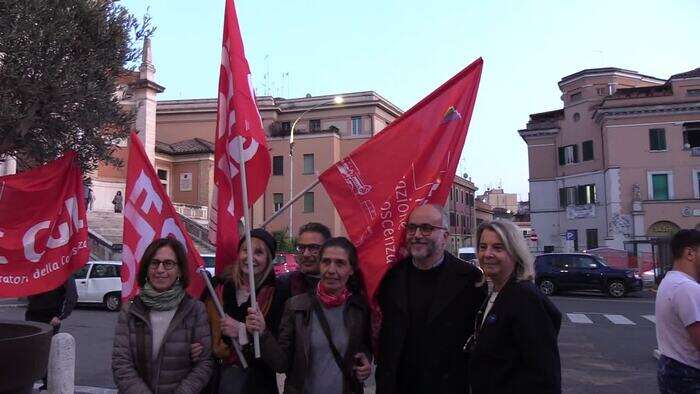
362, 367
196, 350
229, 327
55, 321
254, 321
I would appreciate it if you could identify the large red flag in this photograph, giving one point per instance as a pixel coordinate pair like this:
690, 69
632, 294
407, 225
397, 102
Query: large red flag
411, 162
43, 227
149, 215
237, 119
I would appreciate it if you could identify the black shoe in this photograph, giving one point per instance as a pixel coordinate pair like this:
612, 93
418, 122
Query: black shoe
43, 387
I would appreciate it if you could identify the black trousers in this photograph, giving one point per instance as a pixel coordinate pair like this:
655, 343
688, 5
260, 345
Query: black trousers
42, 316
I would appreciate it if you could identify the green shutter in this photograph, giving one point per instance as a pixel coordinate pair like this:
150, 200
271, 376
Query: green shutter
562, 159
562, 196
587, 148
575, 153
660, 186
581, 195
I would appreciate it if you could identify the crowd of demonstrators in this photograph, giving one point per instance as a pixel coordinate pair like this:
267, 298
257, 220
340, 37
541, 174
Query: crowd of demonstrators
324, 337
155, 333
678, 317
514, 346
429, 303
52, 308
233, 291
310, 239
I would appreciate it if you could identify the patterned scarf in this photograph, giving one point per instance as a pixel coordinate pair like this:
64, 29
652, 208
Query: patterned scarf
164, 300
331, 300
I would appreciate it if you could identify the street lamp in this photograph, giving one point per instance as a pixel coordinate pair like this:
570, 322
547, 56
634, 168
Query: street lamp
335, 100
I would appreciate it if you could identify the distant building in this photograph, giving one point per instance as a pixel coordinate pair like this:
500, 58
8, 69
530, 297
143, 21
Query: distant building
497, 198
619, 164
462, 212
483, 212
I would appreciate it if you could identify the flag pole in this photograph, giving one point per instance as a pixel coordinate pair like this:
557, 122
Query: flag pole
248, 242
289, 204
220, 309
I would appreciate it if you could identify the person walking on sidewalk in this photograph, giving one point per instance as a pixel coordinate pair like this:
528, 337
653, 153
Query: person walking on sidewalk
52, 308
118, 202
678, 318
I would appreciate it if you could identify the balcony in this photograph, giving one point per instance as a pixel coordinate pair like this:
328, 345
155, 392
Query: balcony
276, 130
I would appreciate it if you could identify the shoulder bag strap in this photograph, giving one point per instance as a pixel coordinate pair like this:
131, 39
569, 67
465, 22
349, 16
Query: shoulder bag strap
327, 331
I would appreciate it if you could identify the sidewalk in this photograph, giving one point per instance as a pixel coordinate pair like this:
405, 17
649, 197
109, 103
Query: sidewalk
13, 302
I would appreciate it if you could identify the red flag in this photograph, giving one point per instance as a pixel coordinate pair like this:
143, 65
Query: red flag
42, 240
237, 119
149, 215
375, 191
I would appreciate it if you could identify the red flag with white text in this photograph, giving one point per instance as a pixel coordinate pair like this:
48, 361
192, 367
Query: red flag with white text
237, 119
43, 227
149, 215
410, 163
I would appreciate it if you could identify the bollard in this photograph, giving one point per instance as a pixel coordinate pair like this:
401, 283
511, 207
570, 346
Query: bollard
61, 379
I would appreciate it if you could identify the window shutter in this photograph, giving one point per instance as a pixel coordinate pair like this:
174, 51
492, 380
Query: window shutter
562, 197
575, 153
562, 159
581, 195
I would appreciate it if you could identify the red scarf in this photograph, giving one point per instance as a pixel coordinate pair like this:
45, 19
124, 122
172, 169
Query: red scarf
331, 300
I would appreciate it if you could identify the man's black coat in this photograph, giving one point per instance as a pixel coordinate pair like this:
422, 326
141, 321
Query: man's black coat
458, 296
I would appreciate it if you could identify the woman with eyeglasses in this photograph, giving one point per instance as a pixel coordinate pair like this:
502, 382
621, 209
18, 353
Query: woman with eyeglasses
233, 291
514, 346
324, 337
156, 333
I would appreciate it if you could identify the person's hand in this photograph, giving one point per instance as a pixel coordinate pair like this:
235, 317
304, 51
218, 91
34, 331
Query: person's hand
362, 367
55, 321
196, 350
229, 327
254, 321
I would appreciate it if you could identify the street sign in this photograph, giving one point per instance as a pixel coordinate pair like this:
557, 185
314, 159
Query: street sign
570, 235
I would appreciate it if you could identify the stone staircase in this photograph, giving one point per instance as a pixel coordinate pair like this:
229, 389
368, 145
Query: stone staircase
106, 228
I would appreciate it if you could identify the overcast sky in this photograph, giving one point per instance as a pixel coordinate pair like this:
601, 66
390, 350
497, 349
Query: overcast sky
405, 49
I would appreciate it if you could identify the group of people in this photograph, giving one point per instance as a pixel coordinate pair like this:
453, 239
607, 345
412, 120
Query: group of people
446, 325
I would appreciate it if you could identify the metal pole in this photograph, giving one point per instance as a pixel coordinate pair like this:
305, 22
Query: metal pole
249, 244
289, 204
291, 180
220, 309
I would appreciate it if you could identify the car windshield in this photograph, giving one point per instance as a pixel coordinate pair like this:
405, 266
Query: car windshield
601, 261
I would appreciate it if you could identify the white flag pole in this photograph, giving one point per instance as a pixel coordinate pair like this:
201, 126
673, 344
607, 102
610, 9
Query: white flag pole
249, 245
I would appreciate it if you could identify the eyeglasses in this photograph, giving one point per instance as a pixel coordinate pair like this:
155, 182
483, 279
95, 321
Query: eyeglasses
425, 228
312, 248
167, 264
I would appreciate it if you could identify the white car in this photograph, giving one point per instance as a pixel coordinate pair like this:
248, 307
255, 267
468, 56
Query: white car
209, 262
99, 282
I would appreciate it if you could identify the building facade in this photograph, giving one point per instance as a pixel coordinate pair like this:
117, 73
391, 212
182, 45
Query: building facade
620, 162
462, 212
497, 198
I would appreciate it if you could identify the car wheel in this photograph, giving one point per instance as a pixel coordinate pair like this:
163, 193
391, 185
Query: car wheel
113, 302
547, 287
616, 289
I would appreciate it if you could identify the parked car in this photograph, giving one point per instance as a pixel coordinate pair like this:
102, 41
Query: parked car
468, 254
285, 262
209, 262
580, 271
99, 282
649, 278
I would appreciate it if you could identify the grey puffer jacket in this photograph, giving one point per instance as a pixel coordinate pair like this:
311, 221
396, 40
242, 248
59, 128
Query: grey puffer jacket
173, 370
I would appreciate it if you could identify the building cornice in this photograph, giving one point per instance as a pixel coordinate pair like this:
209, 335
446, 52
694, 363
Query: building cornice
641, 110
530, 133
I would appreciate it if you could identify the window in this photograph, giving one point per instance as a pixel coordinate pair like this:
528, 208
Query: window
576, 97
308, 202
356, 125
660, 185
315, 125
601, 91
163, 175
277, 165
587, 148
309, 163
567, 196
104, 271
585, 195
691, 135
82, 273
696, 183
591, 238
452, 220
287, 126
693, 92
568, 155
657, 139
277, 201
577, 117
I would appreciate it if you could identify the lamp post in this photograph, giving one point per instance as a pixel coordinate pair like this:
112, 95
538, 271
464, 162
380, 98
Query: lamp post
336, 100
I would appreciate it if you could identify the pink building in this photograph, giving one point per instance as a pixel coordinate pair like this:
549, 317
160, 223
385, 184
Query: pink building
620, 162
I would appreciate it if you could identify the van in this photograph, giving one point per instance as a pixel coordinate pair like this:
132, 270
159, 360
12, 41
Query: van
467, 254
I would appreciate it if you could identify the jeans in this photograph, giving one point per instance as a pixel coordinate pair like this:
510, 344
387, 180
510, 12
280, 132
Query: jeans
677, 378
